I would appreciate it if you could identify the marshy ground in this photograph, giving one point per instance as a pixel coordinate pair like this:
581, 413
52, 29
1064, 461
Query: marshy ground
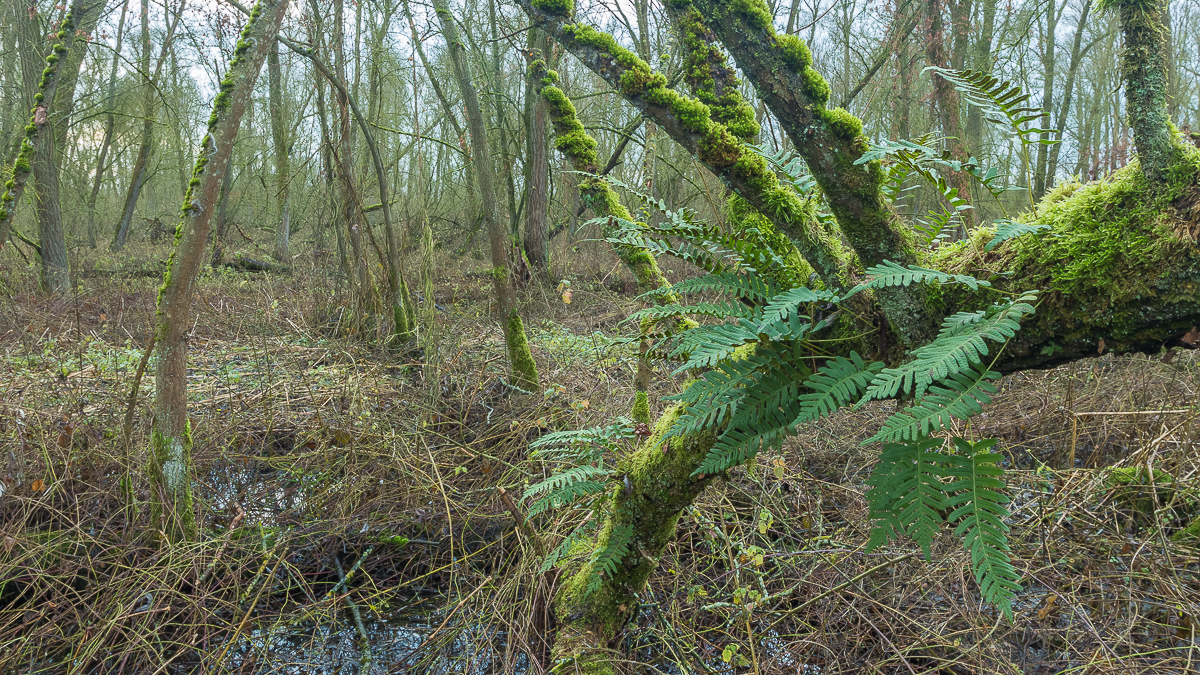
318, 454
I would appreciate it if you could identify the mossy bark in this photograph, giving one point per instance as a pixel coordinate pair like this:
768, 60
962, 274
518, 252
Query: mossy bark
171, 441
657, 484
1144, 72
40, 129
689, 122
520, 358
830, 140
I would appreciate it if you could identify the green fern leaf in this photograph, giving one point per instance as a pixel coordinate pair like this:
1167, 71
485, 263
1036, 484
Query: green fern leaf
960, 396
906, 492
977, 505
958, 347
838, 383
567, 486
1002, 103
609, 556
705, 346
582, 445
746, 285
564, 547
1007, 229
893, 274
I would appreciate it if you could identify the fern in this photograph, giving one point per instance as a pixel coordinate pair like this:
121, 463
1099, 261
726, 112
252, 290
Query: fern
582, 445
569, 542
960, 345
960, 396
838, 383
607, 559
889, 273
913, 482
1001, 103
747, 285
1007, 229
977, 506
566, 487
705, 346
719, 310
906, 493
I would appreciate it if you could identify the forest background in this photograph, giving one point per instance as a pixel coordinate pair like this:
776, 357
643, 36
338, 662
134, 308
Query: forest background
346, 355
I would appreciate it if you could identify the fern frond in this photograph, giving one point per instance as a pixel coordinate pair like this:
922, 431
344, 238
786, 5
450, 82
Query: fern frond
567, 494
1007, 229
719, 310
1001, 103
745, 285
977, 505
564, 547
580, 444
960, 396
705, 346
608, 557
781, 306
762, 415
838, 383
889, 273
958, 347
906, 492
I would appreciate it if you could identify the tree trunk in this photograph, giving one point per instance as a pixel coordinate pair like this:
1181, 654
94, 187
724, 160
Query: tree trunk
1144, 69
536, 240
1064, 108
171, 440
109, 123
1040, 179
981, 60
39, 140
281, 137
138, 178
947, 100
523, 367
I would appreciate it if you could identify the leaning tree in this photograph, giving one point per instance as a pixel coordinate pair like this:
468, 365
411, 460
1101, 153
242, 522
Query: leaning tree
1111, 265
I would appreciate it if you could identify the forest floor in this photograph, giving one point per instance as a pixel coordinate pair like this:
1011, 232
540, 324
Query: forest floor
318, 454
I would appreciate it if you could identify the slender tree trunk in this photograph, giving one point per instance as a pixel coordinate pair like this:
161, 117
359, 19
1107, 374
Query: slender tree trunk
1064, 108
523, 367
1048, 63
473, 205
981, 60
170, 467
281, 137
39, 131
947, 100
138, 178
55, 265
536, 238
109, 124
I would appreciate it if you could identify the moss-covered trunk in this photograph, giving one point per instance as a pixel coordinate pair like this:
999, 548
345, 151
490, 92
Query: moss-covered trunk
521, 360
1144, 70
40, 130
171, 442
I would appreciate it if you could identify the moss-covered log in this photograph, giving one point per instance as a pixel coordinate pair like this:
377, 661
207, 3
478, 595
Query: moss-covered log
171, 442
829, 139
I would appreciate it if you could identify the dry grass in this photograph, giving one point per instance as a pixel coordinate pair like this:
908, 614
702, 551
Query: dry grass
313, 449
